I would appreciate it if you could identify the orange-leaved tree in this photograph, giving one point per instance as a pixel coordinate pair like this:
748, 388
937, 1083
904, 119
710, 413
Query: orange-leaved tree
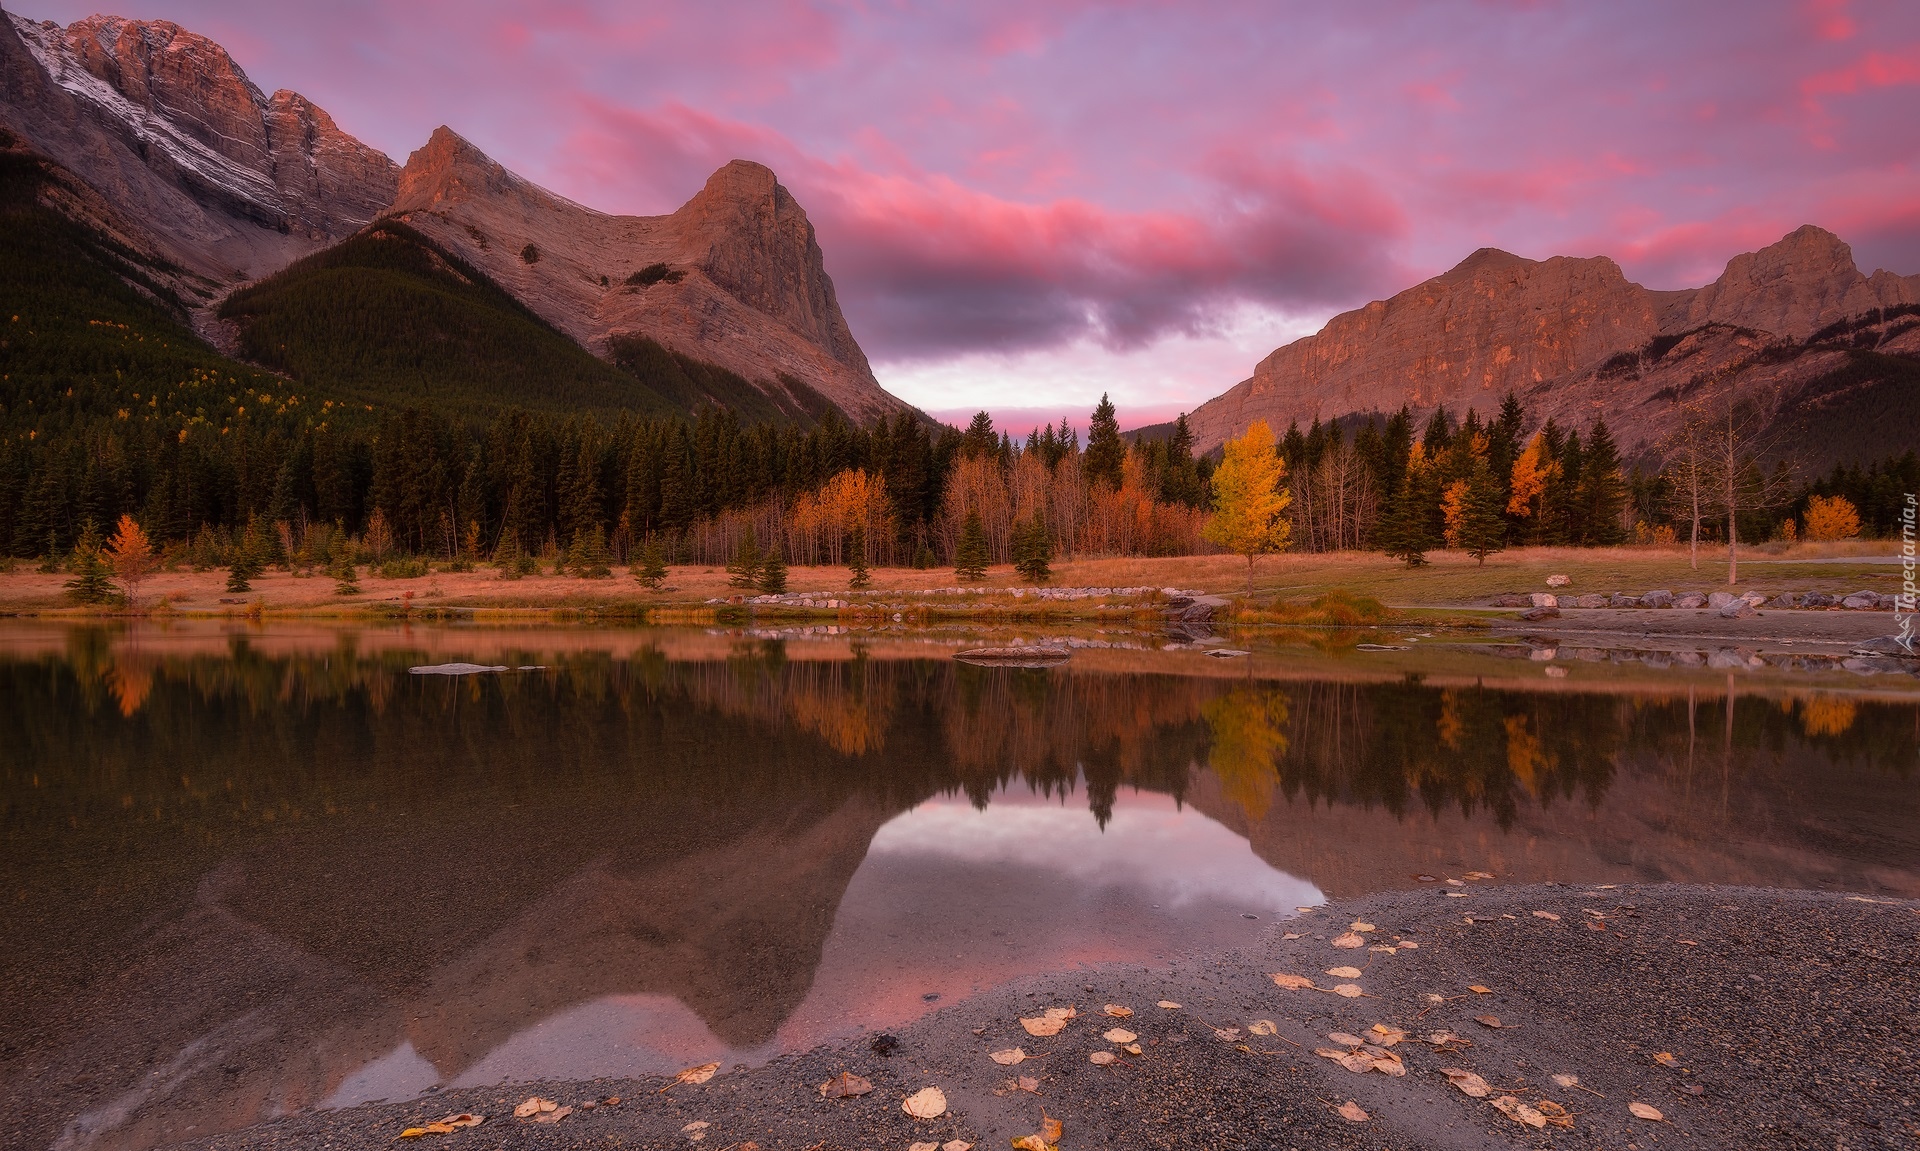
1832, 518
1250, 498
131, 554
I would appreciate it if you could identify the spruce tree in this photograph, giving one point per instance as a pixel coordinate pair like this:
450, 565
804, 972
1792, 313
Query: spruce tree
92, 581
512, 559
773, 573
744, 571
1405, 530
1106, 452
1483, 527
857, 558
651, 571
345, 569
970, 558
587, 555
1602, 493
1033, 551
249, 558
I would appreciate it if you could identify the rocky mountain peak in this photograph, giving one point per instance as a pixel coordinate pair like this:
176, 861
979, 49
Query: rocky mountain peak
175, 74
1801, 282
448, 168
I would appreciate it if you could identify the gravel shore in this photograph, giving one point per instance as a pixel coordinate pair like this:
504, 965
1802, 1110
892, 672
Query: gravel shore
1748, 1018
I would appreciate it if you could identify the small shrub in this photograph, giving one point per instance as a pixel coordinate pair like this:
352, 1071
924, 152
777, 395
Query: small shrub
530, 255
403, 567
653, 274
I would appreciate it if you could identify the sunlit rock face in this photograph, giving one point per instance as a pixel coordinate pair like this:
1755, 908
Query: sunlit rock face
739, 279
227, 182
1544, 329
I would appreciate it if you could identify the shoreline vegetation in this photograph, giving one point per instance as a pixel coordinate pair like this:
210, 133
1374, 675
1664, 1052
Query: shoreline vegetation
1286, 587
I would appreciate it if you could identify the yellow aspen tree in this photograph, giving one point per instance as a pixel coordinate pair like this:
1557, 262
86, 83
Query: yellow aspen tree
1453, 510
131, 554
1250, 498
1530, 474
1832, 518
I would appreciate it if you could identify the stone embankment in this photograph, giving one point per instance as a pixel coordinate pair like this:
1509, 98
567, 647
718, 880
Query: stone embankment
1545, 605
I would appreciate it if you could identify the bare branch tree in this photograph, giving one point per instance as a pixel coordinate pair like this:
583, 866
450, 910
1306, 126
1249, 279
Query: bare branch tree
1716, 457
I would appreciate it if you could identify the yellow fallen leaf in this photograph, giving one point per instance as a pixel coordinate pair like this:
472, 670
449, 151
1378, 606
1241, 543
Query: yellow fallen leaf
1102, 1058
923, 1147
1384, 949
1457, 894
1666, 1059
1134, 1049
1060, 1013
1030, 1143
956, 1145
1009, 1057
1345, 1040
1028, 1084
1119, 1035
1387, 1063
1646, 1111
1170, 1005
413, 1133
1117, 1011
696, 1130
1554, 1113
1566, 1080
1348, 990
1467, 1081
1051, 1129
1479, 990
553, 1116
1344, 972
926, 1103
699, 1074
1291, 935
1349, 940
1449, 1039
1479, 875
1387, 1036
1492, 1021
1407, 945
1043, 1026
1226, 1034
1351, 1112
1262, 1027
533, 1106
1546, 915
1362, 925
1290, 982
1519, 1112
846, 1085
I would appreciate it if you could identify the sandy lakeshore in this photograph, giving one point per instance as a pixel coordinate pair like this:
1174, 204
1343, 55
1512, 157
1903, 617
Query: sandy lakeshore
1744, 1017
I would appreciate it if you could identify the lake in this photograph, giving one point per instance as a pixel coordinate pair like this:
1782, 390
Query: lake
256, 869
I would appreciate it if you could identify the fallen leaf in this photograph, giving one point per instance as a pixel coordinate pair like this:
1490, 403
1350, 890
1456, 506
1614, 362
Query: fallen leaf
1226, 1034
553, 1116
1102, 1058
926, 1103
1449, 1039
1646, 1111
1385, 1062
845, 1086
1060, 1013
610, 1101
1546, 915
1290, 982
1467, 1081
1351, 1112
1666, 1059
1119, 1035
1519, 1112
696, 1130
699, 1074
1595, 925
1291, 935
1009, 1057
1028, 1084
1348, 990
1566, 1081
1117, 1011
1344, 972
1043, 1026
533, 1106
1361, 925
1686, 943
1455, 883
1555, 1114
1458, 894
1051, 1129
1134, 1049
1383, 947
1387, 1036
1170, 1005
956, 1145
1479, 990
1262, 1027
923, 1147
1353, 1061
1430, 997
1407, 945
1349, 940
1492, 1021
1344, 1039
444, 1126
1030, 1143
1479, 875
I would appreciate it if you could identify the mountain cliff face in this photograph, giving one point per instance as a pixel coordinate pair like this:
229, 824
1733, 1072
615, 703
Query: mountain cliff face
222, 181
1544, 329
155, 139
735, 277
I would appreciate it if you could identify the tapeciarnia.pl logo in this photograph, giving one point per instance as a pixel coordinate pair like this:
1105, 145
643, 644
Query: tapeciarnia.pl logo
1904, 604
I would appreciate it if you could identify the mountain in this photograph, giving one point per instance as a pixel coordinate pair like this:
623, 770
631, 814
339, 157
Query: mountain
219, 201
734, 277
1574, 338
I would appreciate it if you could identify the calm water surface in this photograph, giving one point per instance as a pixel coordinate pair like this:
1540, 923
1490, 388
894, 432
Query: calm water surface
255, 871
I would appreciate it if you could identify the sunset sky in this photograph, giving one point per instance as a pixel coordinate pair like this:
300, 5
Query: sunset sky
1026, 203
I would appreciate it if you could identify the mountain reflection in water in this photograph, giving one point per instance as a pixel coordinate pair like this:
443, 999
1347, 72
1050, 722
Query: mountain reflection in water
256, 873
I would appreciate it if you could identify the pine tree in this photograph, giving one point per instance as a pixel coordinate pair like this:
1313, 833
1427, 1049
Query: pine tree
92, 581
249, 558
744, 571
1106, 451
1405, 531
651, 571
1602, 492
512, 559
857, 558
970, 558
1482, 529
1033, 551
772, 573
587, 555
345, 569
